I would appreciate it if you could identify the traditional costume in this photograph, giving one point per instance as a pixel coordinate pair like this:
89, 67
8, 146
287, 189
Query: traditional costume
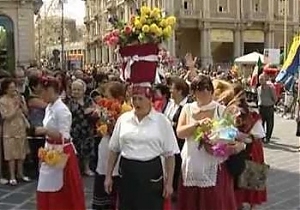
60, 188
206, 183
252, 125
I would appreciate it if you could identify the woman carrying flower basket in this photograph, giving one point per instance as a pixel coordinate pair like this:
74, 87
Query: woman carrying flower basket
114, 91
206, 183
59, 184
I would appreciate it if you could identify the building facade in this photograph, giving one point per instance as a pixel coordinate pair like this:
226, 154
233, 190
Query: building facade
216, 31
17, 20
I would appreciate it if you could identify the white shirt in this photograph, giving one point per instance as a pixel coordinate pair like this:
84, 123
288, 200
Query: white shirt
59, 118
103, 153
172, 108
258, 130
153, 136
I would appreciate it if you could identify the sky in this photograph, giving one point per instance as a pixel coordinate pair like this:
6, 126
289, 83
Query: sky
73, 8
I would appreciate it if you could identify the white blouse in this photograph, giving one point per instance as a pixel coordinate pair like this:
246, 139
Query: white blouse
59, 118
153, 136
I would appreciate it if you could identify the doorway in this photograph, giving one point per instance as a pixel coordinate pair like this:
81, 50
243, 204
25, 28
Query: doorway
7, 47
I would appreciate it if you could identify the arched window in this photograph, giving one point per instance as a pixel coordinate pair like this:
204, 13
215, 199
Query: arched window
7, 45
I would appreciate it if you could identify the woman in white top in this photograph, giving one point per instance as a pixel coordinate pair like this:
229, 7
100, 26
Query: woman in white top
58, 188
102, 200
141, 137
206, 183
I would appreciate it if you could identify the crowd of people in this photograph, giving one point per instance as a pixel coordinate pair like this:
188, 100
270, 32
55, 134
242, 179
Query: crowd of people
150, 159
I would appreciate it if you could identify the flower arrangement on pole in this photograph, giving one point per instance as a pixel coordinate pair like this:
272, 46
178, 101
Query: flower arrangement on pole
148, 26
138, 42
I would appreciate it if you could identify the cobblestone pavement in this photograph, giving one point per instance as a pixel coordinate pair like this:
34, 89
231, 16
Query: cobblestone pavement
283, 183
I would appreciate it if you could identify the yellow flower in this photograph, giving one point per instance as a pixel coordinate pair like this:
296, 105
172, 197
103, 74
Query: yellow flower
167, 32
163, 23
138, 24
171, 21
51, 157
143, 19
125, 108
159, 32
155, 13
145, 28
102, 129
145, 10
153, 28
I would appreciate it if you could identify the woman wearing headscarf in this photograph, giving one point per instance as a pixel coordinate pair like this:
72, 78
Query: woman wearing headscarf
82, 108
141, 137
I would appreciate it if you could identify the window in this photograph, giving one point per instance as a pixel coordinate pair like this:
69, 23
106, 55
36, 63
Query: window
257, 5
283, 7
187, 5
223, 6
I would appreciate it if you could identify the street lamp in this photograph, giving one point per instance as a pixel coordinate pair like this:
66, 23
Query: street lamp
285, 29
62, 38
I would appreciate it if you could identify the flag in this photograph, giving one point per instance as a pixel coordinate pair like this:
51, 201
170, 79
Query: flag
256, 72
290, 66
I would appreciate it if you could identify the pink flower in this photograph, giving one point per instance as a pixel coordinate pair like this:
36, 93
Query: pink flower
114, 40
127, 30
116, 32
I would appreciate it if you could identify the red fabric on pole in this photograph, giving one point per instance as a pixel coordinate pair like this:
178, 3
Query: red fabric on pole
141, 71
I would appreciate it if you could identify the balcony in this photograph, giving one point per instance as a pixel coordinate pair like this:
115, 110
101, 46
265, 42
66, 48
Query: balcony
188, 14
226, 16
259, 17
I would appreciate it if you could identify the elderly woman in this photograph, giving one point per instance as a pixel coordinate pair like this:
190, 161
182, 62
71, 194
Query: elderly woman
15, 146
139, 139
206, 183
82, 130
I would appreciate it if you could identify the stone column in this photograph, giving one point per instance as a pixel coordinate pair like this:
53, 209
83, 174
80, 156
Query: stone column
237, 42
205, 47
171, 45
269, 39
104, 54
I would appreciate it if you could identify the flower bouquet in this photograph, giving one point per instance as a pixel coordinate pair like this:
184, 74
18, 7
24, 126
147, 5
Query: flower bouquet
138, 40
109, 110
53, 157
216, 136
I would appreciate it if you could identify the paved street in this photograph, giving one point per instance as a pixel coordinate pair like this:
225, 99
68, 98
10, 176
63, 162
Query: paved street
283, 187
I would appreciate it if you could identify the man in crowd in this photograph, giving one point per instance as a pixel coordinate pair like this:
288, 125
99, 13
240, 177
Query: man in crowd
266, 101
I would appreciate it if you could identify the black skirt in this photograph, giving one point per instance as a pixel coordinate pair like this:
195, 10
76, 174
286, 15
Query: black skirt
141, 185
102, 200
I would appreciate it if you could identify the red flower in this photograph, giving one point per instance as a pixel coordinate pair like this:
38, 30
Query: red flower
127, 30
101, 102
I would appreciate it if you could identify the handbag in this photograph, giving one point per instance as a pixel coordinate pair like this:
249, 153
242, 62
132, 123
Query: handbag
254, 176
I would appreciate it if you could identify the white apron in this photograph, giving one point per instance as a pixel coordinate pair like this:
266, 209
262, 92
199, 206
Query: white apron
51, 179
